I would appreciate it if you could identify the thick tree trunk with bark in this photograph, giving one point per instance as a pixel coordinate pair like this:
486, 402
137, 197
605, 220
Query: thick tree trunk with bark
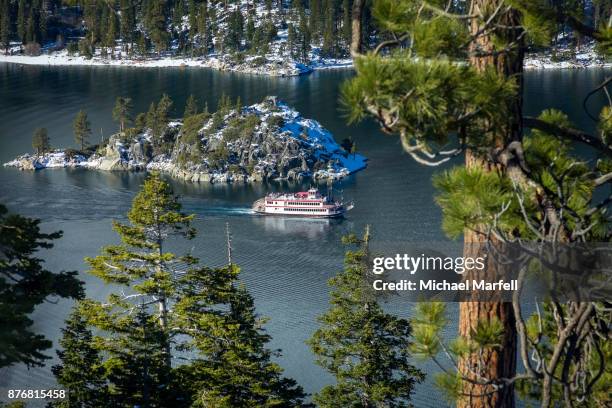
500, 362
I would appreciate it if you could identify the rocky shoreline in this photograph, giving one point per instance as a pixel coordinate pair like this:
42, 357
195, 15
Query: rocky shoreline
265, 141
274, 66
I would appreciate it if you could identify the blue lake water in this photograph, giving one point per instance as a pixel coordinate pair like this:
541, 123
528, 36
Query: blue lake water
285, 262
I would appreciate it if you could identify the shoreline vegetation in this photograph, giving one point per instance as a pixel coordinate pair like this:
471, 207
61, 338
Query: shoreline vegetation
271, 65
279, 39
277, 65
265, 141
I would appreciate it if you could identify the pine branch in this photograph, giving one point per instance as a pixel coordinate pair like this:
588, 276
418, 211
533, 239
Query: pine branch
568, 133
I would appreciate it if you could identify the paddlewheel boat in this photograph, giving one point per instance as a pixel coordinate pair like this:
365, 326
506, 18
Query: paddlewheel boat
303, 204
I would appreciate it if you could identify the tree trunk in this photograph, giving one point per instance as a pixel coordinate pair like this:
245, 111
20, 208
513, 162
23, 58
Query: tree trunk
501, 362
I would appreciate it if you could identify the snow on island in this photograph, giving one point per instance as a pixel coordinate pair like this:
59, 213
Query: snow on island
264, 141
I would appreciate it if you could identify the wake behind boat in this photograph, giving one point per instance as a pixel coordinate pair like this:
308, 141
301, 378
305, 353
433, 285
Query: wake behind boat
303, 204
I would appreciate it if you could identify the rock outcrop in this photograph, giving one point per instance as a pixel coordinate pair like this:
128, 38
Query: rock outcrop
264, 141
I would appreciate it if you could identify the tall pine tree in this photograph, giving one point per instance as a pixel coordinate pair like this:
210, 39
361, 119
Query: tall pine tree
450, 83
80, 371
366, 349
82, 129
24, 285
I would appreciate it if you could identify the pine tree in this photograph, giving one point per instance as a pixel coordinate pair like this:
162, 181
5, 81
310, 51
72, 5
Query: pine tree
82, 129
292, 40
504, 191
127, 23
329, 29
21, 21
26, 284
156, 24
139, 344
137, 366
153, 122
346, 22
234, 32
314, 23
163, 109
40, 141
305, 38
191, 107
111, 32
80, 371
178, 13
31, 32
166, 299
366, 349
235, 369
5, 24
204, 28
249, 32
122, 112
42, 24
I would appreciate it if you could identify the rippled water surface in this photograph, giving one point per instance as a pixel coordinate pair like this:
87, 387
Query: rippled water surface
285, 262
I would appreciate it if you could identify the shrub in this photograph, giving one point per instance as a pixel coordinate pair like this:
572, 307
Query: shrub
275, 121
85, 49
71, 153
217, 120
73, 48
258, 61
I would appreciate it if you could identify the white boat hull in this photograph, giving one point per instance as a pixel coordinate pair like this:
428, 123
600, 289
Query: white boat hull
259, 207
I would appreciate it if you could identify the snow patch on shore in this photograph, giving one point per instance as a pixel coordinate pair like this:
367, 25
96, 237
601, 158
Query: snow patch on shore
272, 66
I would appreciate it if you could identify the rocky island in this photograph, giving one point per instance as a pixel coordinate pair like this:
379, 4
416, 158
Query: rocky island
265, 141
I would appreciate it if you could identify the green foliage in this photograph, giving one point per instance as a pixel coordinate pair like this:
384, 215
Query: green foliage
366, 349
241, 127
219, 156
191, 128
191, 106
240, 374
190, 136
605, 124
275, 121
428, 322
488, 334
431, 99
122, 112
136, 338
451, 74
450, 384
80, 371
40, 141
82, 129
555, 168
166, 306
24, 285
157, 119
471, 197
542, 332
